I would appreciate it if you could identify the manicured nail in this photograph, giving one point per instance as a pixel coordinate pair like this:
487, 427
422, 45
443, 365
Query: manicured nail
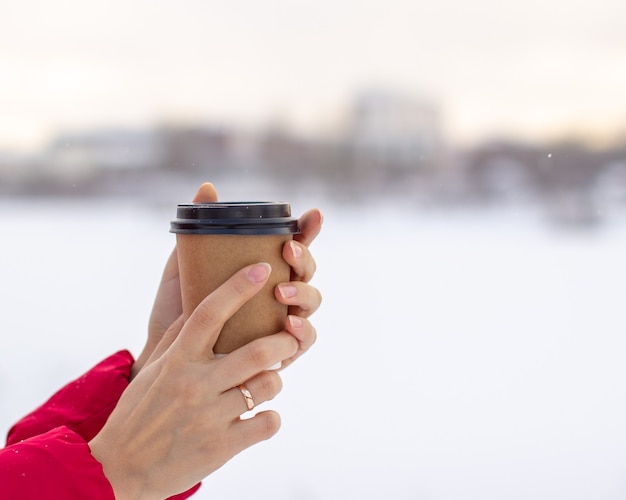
295, 249
259, 273
295, 321
287, 291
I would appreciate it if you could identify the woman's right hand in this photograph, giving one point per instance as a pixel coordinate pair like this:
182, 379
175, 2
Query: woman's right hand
179, 420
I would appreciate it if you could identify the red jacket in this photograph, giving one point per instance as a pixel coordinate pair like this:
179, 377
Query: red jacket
47, 455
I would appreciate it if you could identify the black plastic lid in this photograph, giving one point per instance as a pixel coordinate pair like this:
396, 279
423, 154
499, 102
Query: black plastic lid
241, 217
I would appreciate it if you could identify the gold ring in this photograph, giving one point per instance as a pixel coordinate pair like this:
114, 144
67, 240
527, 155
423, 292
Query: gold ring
247, 396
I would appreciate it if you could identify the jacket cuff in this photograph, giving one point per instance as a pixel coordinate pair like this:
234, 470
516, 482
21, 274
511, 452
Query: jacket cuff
82, 405
56, 465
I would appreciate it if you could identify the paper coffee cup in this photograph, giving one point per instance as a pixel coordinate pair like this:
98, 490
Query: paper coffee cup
214, 241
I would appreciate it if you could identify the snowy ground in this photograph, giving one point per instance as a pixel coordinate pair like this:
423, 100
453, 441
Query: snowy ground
460, 356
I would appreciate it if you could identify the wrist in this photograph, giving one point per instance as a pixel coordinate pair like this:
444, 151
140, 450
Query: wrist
126, 485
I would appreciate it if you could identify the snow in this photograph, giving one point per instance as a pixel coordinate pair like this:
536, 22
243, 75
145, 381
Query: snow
461, 355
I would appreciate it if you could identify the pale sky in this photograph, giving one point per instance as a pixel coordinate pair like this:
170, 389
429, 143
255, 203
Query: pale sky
534, 68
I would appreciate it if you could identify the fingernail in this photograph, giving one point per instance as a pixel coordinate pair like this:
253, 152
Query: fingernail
287, 291
259, 273
295, 321
295, 249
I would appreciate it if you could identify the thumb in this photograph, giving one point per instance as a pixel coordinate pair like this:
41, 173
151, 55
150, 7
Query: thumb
206, 194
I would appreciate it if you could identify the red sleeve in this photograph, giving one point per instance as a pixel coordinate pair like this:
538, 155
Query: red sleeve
82, 405
47, 450
57, 465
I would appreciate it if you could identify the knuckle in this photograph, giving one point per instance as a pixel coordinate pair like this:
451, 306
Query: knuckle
313, 268
260, 353
208, 314
318, 296
314, 301
313, 335
270, 384
294, 345
239, 286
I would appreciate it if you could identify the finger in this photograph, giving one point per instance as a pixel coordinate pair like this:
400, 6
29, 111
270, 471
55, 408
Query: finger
250, 431
302, 298
263, 387
255, 357
310, 225
206, 194
304, 332
300, 259
198, 336
168, 339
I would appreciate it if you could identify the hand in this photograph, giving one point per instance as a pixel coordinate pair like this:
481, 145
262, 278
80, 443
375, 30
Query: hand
179, 420
301, 298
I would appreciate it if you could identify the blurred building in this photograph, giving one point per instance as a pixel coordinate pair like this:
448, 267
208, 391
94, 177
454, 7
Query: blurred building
193, 148
393, 131
15, 170
78, 155
390, 141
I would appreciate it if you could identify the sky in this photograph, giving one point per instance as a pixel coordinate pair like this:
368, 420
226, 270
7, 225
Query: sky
535, 69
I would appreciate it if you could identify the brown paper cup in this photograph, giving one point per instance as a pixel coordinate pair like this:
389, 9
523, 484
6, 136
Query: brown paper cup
211, 250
